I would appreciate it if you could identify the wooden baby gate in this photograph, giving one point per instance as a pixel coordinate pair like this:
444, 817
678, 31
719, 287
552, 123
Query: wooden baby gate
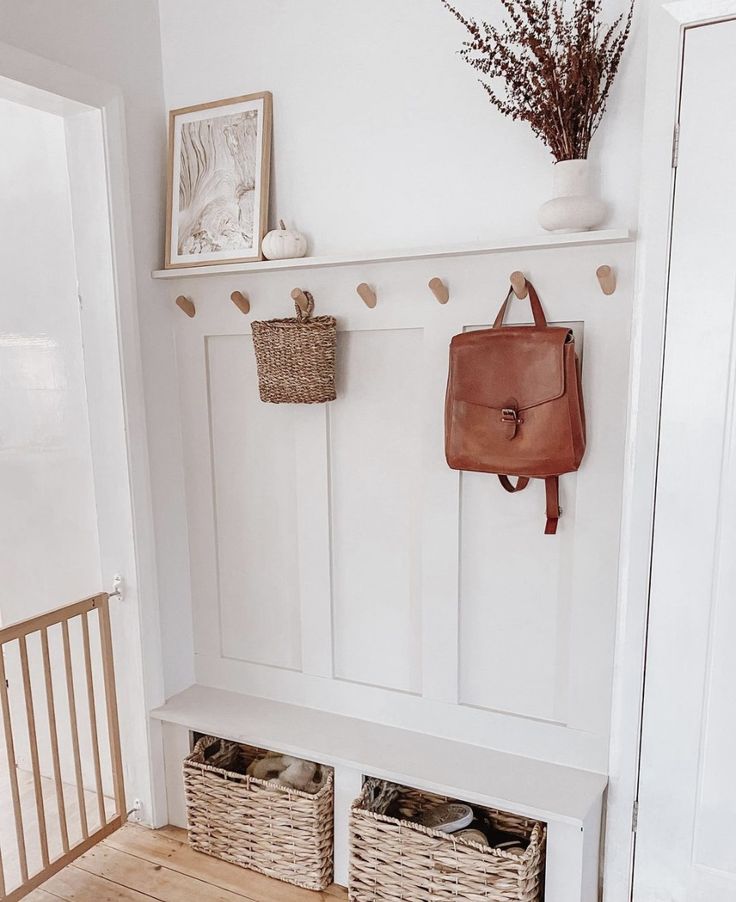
56, 662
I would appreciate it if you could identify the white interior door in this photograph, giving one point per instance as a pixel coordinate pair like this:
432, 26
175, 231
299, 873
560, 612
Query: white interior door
687, 794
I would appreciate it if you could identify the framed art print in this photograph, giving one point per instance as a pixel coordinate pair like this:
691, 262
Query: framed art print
219, 165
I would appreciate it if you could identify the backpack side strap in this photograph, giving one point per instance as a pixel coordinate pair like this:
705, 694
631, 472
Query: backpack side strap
552, 491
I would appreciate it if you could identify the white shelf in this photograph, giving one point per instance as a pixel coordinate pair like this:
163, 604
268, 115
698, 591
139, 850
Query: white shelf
536, 242
536, 789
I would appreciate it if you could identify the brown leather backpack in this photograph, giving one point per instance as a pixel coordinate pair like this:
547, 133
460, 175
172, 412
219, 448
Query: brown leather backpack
514, 404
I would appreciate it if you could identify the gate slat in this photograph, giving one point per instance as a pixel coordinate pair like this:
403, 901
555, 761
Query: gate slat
12, 773
33, 745
93, 719
113, 726
54, 736
74, 727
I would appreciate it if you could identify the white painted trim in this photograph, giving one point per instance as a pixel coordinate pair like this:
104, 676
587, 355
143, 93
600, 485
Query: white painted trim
571, 869
177, 745
666, 32
535, 242
67, 92
150, 654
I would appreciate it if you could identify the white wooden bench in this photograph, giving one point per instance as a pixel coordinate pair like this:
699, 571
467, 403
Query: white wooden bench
567, 799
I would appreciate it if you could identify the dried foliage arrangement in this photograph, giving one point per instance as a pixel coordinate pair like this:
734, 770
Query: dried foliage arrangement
556, 61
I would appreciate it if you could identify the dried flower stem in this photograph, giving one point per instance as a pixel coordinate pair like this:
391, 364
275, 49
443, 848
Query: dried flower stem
556, 60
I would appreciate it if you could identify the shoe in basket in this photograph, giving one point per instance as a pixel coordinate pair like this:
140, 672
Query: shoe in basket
447, 818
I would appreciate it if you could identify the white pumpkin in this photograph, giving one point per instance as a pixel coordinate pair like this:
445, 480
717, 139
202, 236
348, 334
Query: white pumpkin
283, 243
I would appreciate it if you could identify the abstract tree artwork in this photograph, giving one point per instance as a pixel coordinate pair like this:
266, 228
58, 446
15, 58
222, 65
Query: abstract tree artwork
218, 181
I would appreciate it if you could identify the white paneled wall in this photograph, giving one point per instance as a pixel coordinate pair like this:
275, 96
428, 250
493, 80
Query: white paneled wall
503, 601
375, 450
337, 562
253, 451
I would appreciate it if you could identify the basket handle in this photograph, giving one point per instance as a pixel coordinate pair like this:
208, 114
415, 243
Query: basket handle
298, 295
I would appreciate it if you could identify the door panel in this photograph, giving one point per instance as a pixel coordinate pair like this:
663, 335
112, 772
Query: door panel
687, 799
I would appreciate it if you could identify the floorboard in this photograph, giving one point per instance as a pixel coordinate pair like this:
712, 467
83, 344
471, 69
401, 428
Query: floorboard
138, 874
140, 865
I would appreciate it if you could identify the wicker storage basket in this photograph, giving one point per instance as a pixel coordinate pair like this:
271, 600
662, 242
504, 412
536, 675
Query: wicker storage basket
296, 357
395, 859
257, 824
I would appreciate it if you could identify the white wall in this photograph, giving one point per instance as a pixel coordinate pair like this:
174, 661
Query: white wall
409, 590
382, 136
49, 552
120, 43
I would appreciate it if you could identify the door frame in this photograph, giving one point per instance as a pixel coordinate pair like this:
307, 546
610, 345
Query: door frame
95, 128
666, 29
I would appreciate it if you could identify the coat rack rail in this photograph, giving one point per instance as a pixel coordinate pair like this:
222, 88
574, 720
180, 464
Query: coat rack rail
534, 242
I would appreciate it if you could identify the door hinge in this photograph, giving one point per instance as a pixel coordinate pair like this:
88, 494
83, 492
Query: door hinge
635, 816
676, 145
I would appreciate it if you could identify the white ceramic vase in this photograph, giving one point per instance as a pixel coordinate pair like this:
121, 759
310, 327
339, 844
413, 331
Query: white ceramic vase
574, 208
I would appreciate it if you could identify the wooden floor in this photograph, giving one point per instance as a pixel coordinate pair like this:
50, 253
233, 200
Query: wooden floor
138, 865
8, 841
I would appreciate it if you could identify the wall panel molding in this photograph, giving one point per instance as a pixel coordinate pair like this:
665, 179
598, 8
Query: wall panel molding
403, 591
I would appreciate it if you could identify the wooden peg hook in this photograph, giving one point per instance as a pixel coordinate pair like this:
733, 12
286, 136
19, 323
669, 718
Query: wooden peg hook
241, 301
367, 294
299, 298
607, 278
183, 303
439, 290
518, 283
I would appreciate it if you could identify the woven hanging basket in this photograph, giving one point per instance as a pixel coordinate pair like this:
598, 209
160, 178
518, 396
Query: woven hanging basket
257, 824
394, 858
296, 357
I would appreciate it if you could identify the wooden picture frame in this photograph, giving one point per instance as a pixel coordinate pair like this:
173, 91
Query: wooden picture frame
219, 162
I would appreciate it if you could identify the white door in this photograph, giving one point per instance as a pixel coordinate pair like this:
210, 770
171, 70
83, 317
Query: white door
686, 839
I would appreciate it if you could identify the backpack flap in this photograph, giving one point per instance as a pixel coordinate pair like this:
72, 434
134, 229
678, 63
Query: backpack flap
517, 366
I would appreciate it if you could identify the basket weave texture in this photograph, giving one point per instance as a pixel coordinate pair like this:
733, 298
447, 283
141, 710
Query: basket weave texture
257, 824
394, 859
296, 357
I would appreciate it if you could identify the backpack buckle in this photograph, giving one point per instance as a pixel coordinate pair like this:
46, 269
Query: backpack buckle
510, 417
